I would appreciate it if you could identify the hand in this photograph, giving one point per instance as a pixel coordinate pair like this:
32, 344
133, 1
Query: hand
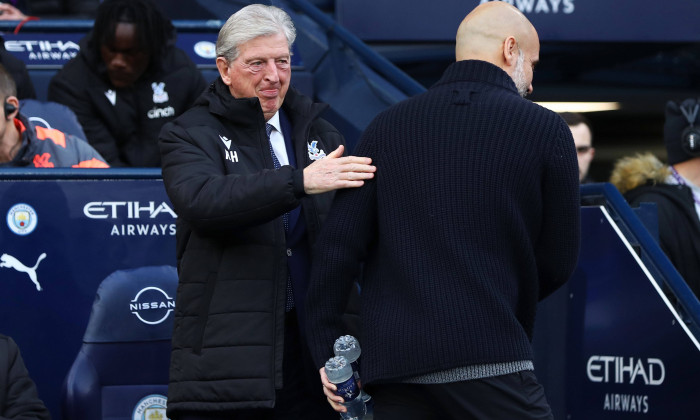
10, 12
335, 171
329, 389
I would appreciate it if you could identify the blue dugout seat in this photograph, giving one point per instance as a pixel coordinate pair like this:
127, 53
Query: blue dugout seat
121, 370
52, 115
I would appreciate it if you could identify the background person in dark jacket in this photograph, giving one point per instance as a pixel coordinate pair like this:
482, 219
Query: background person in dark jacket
472, 218
249, 209
675, 188
18, 395
128, 81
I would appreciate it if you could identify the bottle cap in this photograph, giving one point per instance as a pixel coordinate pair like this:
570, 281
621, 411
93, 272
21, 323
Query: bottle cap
347, 346
338, 369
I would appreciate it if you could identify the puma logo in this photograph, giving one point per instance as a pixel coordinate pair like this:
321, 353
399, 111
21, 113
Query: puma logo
9, 261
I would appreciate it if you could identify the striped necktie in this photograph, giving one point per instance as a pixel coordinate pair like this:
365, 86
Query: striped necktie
285, 218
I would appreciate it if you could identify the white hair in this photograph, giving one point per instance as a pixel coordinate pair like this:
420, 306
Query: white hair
250, 22
519, 75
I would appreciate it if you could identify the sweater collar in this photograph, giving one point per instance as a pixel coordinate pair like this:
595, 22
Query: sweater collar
477, 71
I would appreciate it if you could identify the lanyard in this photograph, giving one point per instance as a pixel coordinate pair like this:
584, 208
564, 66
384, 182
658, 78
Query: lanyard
681, 181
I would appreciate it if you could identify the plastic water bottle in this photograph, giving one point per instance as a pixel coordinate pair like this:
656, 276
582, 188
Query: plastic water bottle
349, 347
340, 373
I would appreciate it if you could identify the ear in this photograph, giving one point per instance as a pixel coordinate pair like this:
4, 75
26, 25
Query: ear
510, 51
223, 65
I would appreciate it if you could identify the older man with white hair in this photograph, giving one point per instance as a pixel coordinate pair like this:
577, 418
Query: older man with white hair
250, 169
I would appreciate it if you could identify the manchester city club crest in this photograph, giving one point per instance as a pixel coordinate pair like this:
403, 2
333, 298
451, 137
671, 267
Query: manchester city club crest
22, 219
205, 49
151, 407
159, 93
314, 152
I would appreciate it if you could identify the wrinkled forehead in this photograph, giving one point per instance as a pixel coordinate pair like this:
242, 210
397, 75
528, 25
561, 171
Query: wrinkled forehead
265, 46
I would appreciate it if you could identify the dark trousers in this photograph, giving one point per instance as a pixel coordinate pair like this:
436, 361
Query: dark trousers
514, 396
301, 398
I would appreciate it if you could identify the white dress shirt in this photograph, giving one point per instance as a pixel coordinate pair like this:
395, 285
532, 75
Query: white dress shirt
277, 140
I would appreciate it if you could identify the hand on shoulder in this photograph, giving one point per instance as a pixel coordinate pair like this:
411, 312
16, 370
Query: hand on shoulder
335, 171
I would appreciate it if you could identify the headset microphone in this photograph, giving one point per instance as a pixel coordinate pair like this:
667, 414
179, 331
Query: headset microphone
9, 109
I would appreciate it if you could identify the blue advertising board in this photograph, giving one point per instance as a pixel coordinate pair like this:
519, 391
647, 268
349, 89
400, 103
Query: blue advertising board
53, 49
59, 238
555, 20
629, 352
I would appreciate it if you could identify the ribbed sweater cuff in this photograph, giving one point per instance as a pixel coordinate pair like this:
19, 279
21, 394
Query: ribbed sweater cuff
467, 373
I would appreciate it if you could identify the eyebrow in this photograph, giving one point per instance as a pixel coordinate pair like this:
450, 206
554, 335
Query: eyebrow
260, 58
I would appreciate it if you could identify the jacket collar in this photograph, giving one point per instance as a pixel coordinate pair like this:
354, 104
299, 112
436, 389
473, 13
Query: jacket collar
28, 142
247, 111
477, 71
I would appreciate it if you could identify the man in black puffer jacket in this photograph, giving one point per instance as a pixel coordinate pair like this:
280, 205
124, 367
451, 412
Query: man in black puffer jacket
250, 170
128, 80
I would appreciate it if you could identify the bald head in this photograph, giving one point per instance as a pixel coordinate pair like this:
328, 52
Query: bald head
499, 33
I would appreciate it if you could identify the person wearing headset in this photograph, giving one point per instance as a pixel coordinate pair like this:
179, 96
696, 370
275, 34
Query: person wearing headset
675, 188
25, 144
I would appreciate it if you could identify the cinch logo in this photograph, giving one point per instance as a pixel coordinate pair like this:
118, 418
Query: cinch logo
151, 407
22, 219
161, 112
621, 370
128, 209
152, 305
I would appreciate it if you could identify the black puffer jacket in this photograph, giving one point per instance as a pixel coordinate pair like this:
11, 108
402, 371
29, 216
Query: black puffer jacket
679, 227
228, 337
18, 395
643, 179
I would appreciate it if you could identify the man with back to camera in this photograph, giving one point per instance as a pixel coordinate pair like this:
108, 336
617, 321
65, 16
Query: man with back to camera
250, 170
473, 217
583, 140
25, 144
128, 80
